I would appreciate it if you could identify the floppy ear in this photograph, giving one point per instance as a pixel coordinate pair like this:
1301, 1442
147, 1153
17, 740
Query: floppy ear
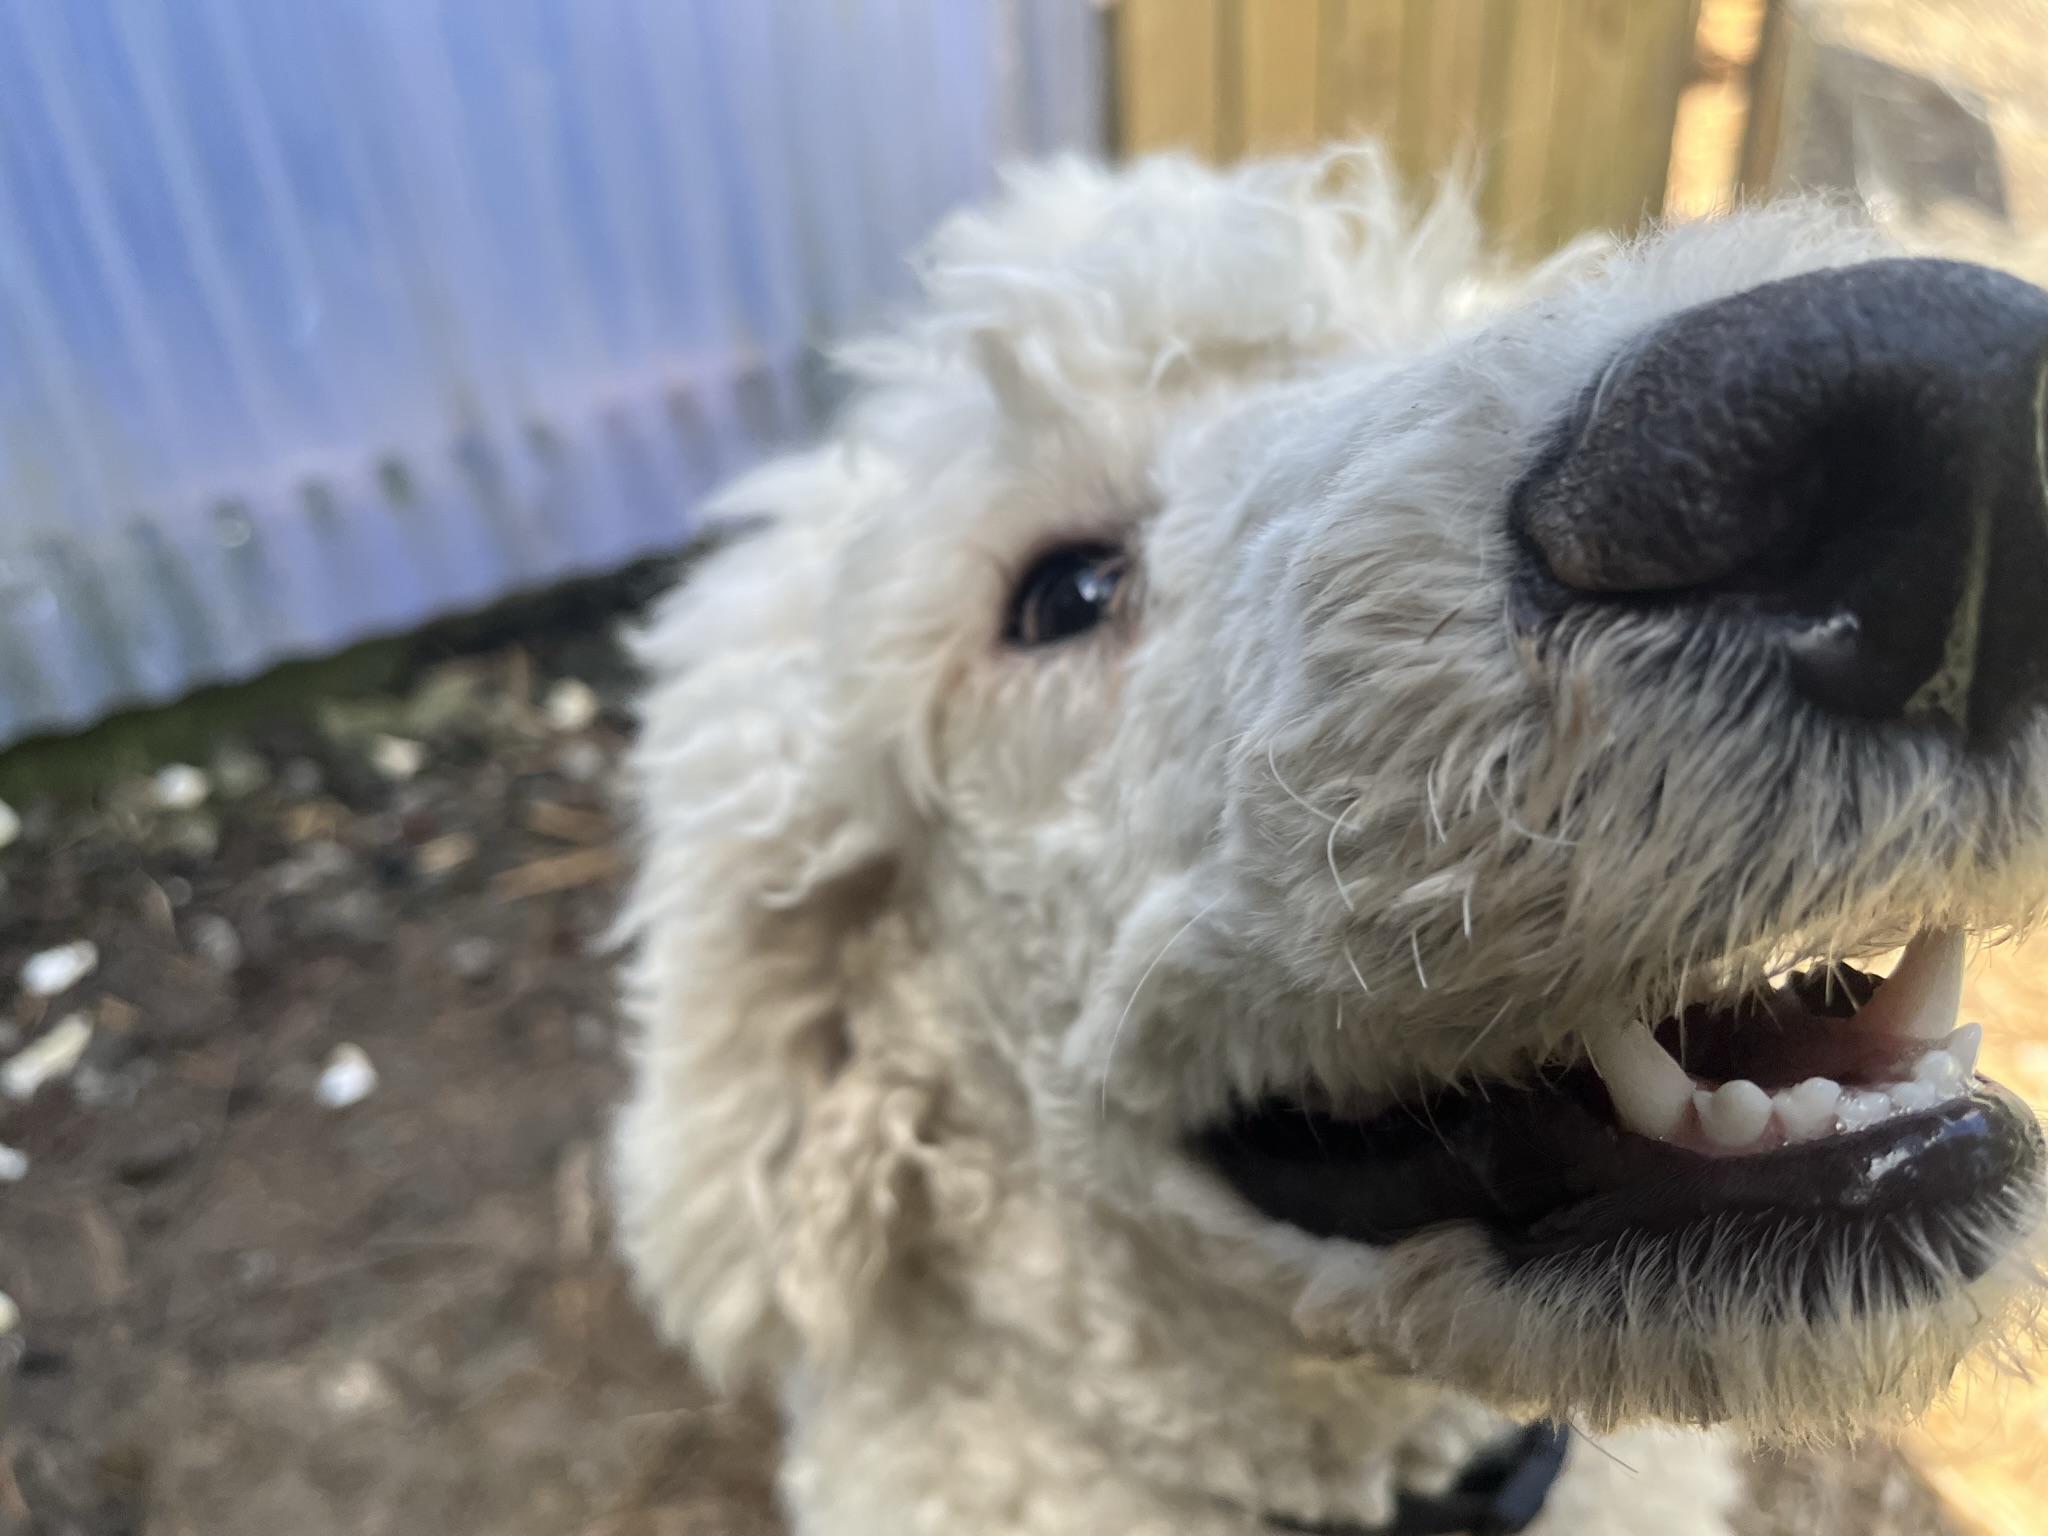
759, 1166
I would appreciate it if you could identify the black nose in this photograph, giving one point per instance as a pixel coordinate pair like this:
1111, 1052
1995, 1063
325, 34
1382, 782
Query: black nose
1852, 458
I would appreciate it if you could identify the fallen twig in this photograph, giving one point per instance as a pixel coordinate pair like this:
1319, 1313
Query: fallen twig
563, 872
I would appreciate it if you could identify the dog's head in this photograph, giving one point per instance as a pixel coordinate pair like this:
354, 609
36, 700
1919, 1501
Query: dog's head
1371, 780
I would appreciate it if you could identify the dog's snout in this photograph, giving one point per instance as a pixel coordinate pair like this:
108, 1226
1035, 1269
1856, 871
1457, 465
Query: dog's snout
1852, 459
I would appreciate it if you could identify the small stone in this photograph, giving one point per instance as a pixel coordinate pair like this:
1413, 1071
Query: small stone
381, 829
317, 864
194, 834
51, 971
39, 821
177, 891
13, 1164
239, 773
358, 1387
303, 778
448, 698
570, 705
96, 1088
581, 761
157, 910
10, 824
159, 1156
10, 1314
473, 958
118, 1016
215, 940
592, 1035
355, 914
441, 854
348, 1078
179, 787
49, 1058
314, 821
254, 1267
397, 758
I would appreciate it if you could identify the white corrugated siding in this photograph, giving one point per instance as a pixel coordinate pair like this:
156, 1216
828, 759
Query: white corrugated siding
320, 317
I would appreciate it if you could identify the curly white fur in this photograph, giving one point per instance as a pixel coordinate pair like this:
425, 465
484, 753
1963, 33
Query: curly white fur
941, 948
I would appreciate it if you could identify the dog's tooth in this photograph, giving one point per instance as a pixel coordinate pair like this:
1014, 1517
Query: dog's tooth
1910, 1098
1962, 1047
1861, 1108
1649, 1089
1942, 1072
1918, 1001
1734, 1114
1807, 1110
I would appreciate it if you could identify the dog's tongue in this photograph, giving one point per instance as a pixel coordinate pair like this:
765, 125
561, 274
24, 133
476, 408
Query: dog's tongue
1903, 1041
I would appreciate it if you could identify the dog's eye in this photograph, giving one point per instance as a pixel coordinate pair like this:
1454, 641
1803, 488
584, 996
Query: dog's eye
1067, 593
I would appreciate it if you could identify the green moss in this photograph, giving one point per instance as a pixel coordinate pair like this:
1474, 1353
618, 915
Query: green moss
357, 685
73, 768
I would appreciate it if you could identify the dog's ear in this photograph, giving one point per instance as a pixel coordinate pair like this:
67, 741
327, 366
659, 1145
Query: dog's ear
778, 1110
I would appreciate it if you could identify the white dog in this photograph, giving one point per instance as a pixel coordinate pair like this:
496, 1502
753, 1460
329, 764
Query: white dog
1167, 856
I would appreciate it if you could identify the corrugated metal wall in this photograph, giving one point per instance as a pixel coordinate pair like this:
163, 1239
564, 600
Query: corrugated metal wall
319, 317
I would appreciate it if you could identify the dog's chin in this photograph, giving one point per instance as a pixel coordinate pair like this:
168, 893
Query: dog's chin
1793, 1212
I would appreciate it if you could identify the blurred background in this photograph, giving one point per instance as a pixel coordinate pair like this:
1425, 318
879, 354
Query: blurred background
362, 366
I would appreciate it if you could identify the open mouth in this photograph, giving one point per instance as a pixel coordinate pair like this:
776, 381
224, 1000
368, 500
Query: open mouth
1833, 1116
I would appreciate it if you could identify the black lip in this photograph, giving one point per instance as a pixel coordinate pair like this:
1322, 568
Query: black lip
1545, 1173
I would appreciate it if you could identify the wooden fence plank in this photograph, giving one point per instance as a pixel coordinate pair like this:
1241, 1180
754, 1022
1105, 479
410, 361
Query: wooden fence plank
1493, 95
1452, 82
1661, 53
1585, 111
1167, 72
1568, 105
1776, 83
1282, 40
1230, 24
1526, 116
1360, 89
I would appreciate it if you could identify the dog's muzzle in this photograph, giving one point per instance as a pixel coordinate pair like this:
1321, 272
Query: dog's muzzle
1846, 473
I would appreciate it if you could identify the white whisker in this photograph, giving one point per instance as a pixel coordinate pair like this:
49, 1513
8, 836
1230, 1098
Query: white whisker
1109, 1055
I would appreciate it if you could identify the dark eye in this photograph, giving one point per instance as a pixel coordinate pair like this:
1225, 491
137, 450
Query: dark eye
1067, 593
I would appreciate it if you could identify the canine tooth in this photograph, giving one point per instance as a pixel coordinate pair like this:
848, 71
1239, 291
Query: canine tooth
1735, 1113
1912, 1097
1861, 1108
1919, 999
1807, 1110
1940, 1071
1962, 1047
1649, 1089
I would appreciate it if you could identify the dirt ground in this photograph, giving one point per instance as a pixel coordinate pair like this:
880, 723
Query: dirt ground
242, 1311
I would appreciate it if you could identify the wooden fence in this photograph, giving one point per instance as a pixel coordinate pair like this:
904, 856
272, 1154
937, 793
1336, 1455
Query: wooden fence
1564, 108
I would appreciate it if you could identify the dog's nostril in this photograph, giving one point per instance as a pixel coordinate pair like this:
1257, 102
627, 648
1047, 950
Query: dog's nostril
1852, 458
